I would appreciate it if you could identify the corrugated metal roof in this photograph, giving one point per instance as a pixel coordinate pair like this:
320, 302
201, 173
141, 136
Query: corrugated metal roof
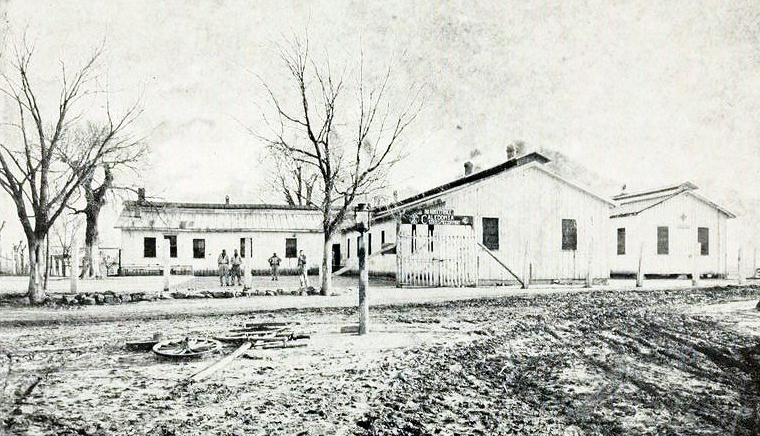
218, 217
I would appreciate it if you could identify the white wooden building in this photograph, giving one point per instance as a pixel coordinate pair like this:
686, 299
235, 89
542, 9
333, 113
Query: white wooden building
671, 227
196, 233
538, 224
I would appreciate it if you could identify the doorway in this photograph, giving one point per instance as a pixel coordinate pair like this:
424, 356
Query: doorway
336, 257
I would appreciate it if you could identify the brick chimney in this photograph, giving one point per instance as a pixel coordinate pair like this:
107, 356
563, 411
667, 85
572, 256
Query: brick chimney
467, 168
510, 152
226, 199
141, 195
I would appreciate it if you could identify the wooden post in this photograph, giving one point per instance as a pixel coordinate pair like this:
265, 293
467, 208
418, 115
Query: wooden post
695, 264
363, 285
167, 267
526, 271
74, 270
398, 252
640, 272
249, 266
590, 273
739, 267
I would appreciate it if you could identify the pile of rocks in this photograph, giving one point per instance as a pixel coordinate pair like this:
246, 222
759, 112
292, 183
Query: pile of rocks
93, 298
245, 292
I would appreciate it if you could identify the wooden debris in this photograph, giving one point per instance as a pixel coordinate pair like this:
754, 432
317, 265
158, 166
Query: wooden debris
350, 329
141, 345
226, 360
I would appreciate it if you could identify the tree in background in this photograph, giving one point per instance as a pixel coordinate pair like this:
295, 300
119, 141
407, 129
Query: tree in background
123, 154
292, 182
350, 138
41, 164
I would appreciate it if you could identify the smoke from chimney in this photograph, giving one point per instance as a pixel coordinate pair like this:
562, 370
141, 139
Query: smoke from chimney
510, 152
467, 168
141, 195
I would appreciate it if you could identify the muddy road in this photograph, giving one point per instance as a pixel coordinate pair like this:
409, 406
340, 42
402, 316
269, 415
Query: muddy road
599, 362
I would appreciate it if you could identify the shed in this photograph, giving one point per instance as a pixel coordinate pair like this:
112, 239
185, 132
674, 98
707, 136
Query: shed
671, 228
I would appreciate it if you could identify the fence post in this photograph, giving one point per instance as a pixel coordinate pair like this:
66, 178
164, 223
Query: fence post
526, 277
640, 272
74, 269
363, 285
739, 267
695, 264
166, 246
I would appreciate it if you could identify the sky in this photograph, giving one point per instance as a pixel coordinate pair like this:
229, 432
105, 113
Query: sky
644, 93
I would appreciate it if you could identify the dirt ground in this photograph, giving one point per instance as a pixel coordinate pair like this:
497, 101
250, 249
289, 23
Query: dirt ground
598, 362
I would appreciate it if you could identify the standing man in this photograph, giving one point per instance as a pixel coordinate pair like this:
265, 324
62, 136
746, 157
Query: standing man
224, 265
236, 272
274, 264
303, 270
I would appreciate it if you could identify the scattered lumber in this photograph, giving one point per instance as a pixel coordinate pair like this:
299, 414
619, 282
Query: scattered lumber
141, 345
289, 344
350, 329
223, 362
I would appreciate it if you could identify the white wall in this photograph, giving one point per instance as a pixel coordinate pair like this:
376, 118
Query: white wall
530, 205
682, 238
264, 244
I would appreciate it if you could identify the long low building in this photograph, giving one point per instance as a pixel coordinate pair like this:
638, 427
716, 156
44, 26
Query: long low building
195, 234
514, 221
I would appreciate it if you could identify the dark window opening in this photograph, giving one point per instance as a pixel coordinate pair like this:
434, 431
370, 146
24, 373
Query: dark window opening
291, 248
369, 243
382, 242
242, 247
172, 245
663, 243
348, 248
414, 237
703, 237
569, 235
199, 248
149, 247
491, 233
621, 241
431, 229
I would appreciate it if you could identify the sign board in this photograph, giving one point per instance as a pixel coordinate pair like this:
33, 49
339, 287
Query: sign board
446, 218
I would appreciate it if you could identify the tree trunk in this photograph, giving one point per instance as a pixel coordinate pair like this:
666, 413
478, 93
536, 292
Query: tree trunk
92, 249
327, 266
35, 292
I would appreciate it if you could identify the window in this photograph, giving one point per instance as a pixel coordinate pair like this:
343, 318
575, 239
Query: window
414, 237
149, 247
703, 237
491, 233
242, 247
348, 248
382, 242
431, 228
199, 248
172, 245
569, 235
369, 243
291, 248
358, 246
621, 241
663, 244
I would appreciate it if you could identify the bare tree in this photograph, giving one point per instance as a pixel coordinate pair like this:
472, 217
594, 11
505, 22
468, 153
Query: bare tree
292, 182
122, 154
41, 167
350, 139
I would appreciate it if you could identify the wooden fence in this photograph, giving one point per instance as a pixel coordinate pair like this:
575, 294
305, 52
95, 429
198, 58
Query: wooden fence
440, 260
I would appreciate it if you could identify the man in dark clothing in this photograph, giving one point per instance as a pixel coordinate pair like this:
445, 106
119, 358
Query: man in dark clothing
274, 264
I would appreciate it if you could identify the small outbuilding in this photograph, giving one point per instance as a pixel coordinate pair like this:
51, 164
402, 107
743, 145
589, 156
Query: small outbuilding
673, 230
195, 234
514, 222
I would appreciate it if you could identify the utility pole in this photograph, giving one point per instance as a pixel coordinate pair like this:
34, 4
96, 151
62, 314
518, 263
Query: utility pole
363, 285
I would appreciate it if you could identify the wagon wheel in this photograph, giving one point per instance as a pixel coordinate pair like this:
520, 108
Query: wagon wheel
188, 347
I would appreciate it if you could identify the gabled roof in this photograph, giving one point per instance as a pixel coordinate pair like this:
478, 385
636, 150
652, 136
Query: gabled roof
631, 204
535, 159
168, 216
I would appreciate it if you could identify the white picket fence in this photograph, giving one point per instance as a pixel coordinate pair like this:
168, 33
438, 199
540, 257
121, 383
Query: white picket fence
439, 260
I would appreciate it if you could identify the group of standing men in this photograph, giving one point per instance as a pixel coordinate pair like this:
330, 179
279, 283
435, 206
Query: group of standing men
231, 272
